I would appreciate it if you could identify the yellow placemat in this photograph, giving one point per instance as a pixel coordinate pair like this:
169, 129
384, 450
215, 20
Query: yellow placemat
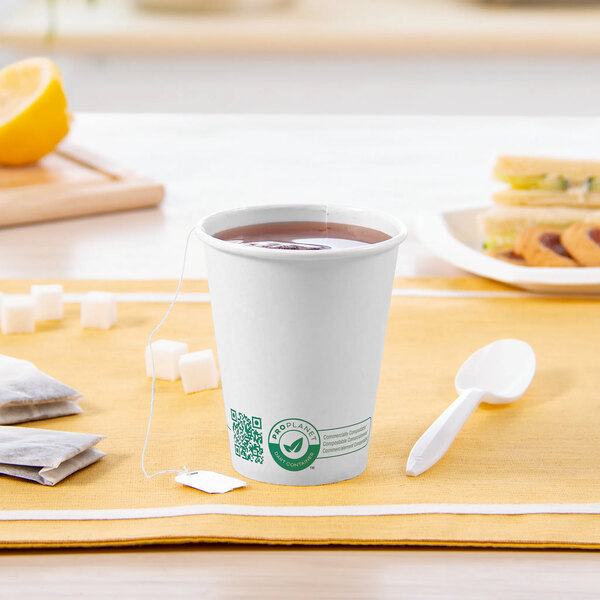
544, 449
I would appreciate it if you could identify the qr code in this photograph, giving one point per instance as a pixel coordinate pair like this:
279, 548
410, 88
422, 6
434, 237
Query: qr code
247, 436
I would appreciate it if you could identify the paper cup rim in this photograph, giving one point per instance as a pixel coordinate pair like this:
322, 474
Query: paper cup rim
397, 236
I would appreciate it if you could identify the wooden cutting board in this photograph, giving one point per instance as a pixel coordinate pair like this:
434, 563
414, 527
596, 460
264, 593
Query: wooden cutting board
71, 182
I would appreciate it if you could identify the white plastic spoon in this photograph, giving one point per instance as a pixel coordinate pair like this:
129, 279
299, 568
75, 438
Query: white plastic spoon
497, 373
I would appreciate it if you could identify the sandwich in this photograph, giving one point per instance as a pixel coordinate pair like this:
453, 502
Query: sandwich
548, 182
501, 225
544, 192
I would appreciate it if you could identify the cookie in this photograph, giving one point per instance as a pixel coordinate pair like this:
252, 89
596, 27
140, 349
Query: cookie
541, 247
507, 254
582, 242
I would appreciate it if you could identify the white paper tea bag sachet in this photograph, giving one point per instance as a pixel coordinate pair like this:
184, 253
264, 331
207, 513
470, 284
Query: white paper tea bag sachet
27, 394
45, 456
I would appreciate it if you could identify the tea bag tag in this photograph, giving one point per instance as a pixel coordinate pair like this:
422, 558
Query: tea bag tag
209, 481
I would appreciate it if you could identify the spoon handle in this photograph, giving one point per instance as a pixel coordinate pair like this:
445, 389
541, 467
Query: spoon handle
434, 443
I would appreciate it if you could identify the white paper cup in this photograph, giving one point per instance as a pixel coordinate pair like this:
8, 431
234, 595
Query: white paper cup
300, 337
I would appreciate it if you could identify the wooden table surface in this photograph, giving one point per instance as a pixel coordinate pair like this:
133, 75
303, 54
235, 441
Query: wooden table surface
398, 164
312, 26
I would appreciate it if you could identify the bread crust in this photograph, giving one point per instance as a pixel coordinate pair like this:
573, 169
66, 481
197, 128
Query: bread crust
532, 198
501, 218
577, 170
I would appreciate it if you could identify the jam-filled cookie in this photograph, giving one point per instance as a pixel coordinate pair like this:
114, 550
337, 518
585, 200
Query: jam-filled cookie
582, 242
541, 247
507, 254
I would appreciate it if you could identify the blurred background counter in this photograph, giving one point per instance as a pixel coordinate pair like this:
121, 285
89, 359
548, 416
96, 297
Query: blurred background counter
316, 56
306, 27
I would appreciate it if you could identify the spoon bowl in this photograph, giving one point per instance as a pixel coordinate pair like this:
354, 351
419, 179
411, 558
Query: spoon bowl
503, 370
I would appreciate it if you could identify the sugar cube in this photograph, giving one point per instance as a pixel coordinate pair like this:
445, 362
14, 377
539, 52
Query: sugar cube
198, 371
47, 302
166, 359
98, 310
17, 314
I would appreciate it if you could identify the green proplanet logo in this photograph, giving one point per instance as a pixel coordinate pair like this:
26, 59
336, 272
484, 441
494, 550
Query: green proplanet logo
294, 444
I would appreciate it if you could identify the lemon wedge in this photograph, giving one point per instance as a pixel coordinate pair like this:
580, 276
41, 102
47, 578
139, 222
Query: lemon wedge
33, 111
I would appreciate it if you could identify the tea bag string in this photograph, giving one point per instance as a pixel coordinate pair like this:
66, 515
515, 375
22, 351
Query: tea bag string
153, 393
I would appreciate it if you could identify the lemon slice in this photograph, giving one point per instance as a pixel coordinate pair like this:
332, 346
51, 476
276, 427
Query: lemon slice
33, 111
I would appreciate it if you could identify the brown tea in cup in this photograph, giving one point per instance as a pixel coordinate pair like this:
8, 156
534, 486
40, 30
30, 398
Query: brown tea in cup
303, 235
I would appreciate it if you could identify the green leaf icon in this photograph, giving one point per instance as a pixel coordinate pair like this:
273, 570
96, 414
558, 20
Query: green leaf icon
294, 446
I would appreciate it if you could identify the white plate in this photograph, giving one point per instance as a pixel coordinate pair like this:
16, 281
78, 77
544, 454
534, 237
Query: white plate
454, 237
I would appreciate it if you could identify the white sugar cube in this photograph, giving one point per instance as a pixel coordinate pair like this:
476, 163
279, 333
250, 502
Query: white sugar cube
98, 310
198, 371
47, 302
166, 359
17, 314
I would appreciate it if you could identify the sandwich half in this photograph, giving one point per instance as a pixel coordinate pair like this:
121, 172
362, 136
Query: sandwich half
548, 182
500, 225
